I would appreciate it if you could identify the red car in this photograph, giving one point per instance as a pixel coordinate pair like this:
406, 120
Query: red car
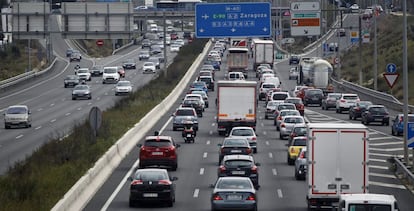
173, 36
121, 71
301, 92
298, 103
158, 151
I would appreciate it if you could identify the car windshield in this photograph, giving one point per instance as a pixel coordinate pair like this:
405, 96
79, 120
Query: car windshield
238, 163
299, 142
202, 93
149, 64
378, 109
71, 77
110, 70
157, 143
184, 112
294, 101
272, 103
150, 176
336, 96
268, 86
350, 97
283, 107
124, 83
82, 71
16, 110
234, 142
293, 120
129, 61
81, 87
234, 184
279, 96
242, 132
300, 130
288, 113
314, 92
364, 104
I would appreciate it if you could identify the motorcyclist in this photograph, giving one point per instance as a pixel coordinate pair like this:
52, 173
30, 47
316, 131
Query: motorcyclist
77, 66
189, 128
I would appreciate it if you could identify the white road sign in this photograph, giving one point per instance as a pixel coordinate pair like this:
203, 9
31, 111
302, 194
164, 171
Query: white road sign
305, 6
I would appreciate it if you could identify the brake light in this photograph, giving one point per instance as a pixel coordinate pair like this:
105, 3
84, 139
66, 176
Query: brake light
222, 169
249, 150
342, 101
222, 150
357, 108
254, 170
302, 155
282, 125
137, 182
251, 198
254, 139
279, 118
217, 197
164, 182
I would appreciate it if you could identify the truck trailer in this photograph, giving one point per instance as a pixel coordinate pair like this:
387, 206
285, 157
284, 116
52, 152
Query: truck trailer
236, 105
263, 52
237, 60
337, 162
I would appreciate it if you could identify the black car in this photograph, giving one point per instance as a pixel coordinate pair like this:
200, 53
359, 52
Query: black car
356, 110
152, 185
146, 43
129, 64
231, 146
313, 96
194, 103
240, 166
375, 113
71, 81
294, 60
209, 81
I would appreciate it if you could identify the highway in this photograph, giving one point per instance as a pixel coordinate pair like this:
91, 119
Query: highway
197, 163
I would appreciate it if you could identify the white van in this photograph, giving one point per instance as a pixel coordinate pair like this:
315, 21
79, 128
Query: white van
274, 80
232, 76
153, 28
367, 201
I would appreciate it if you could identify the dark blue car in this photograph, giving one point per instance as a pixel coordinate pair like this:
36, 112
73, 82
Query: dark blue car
200, 84
215, 64
397, 128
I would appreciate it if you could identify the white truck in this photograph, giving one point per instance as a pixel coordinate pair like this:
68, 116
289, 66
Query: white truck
236, 105
316, 73
263, 52
367, 201
337, 162
238, 60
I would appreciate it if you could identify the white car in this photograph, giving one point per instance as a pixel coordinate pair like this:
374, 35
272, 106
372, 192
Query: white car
17, 115
282, 113
123, 87
345, 102
245, 132
354, 8
175, 47
110, 74
149, 67
287, 124
179, 42
84, 74
196, 96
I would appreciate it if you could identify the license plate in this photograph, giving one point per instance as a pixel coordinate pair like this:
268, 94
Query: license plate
315, 98
188, 135
157, 153
234, 197
150, 195
238, 172
235, 151
379, 119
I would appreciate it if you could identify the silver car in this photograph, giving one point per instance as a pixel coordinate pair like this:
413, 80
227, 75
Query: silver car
17, 115
233, 193
283, 113
270, 109
184, 114
301, 165
81, 91
123, 87
287, 124
247, 133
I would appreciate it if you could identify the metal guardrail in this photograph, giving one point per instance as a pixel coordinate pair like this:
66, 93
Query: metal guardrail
402, 172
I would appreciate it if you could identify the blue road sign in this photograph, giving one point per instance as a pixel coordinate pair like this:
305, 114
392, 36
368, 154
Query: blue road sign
233, 20
410, 134
391, 68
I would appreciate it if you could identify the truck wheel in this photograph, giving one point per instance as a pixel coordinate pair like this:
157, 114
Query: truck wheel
221, 133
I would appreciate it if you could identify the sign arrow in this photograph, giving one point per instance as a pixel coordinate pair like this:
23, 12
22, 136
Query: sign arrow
305, 31
391, 78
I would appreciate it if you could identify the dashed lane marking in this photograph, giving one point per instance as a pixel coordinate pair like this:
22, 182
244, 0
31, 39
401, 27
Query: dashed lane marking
205, 155
208, 142
270, 155
378, 167
274, 172
383, 175
279, 193
380, 138
385, 144
196, 192
387, 150
201, 171
19, 136
387, 185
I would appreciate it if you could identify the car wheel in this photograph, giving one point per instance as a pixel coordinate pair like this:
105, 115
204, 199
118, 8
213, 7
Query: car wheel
174, 167
221, 133
350, 117
277, 128
6, 126
170, 203
387, 124
392, 131
266, 117
131, 203
66, 86
336, 110
174, 129
340, 110
73, 98
296, 175
280, 136
255, 150
289, 161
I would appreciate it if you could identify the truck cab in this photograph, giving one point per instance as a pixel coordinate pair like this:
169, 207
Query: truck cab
367, 202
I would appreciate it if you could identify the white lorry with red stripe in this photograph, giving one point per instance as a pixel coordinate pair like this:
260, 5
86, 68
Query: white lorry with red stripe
337, 162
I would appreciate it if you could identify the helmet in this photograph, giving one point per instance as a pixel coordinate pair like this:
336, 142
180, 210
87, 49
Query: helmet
188, 123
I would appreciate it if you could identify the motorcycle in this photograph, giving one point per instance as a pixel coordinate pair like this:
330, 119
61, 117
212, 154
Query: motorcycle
189, 137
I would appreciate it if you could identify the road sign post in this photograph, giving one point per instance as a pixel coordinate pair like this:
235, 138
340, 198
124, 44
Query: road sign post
233, 20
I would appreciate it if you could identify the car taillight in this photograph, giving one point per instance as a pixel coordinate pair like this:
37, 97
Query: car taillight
401, 119
249, 150
342, 101
222, 150
254, 138
222, 169
136, 182
357, 108
302, 155
293, 135
254, 170
164, 182
282, 125
279, 118
251, 198
217, 197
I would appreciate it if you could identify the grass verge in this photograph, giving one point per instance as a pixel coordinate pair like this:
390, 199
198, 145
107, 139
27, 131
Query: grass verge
41, 180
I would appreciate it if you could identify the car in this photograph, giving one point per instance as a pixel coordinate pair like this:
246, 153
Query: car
187, 34
129, 64
170, 29
208, 67
341, 32
84, 74
247, 133
284, 106
346, 101
215, 64
69, 52
71, 81
183, 114
17, 116
375, 113
235, 75
232, 146
270, 109
297, 89
358, 108
81, 91
298, 104
158, 151
96, 70
146, 43
368, 13
397, 128
287, 124
148, 67
205, 73
196, 96
179, 42
174, 36
155, 49
329, 101
282, 113
264, 88
151, 185
240, 166
156, 61
144, 55
333, 46
194, 103
298, 130
123, 87
265, 74
209, 81
281, 96
233, 193
354, 8
199, 84
75, 56
110, 74
175, 47
294, 59
203, 94
294, 147
293, 73
313, 96
301, 164
121, 71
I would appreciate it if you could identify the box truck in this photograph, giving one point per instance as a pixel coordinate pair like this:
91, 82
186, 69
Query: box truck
237, 60
236, 105
337, 162
263, 52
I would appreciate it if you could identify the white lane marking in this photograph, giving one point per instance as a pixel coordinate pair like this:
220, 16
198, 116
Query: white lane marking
67, 114
264, 133
274, 172
378, 167
19, 136
210, 132
201, 171
270, 155
387, 185
385, 144
380, 154
388, 149
267, 143
89, 103
205, 155
208, 142
262, 124
195, 194
53, 120
79, 108
98, 98
40, 109
37, 128
52, 104
378, 160
380, 138
279, 193
165, 125
383, 175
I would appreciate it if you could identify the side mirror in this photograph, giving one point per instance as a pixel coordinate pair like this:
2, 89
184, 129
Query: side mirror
177, 145
211, 186
174, 178
257, 164
139, 145
219, 145
130, 179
